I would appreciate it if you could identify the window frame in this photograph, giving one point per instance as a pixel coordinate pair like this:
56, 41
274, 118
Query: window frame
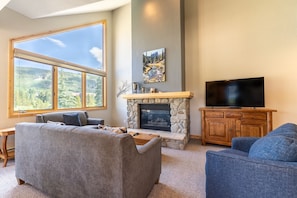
56, 63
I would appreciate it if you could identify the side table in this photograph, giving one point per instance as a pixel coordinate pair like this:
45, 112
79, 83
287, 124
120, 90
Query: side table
4, 154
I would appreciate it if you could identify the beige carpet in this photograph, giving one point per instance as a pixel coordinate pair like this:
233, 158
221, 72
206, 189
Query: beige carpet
182, 175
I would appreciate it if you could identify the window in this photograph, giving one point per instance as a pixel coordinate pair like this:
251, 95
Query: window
33, 87
69, 89
58, 70
94, 90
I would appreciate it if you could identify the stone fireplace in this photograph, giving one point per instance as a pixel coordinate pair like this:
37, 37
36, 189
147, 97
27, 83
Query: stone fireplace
179, 103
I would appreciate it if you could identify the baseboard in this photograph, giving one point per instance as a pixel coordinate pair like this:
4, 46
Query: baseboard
195, 137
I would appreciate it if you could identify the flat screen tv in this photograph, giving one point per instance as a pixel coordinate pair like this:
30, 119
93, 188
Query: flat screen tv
246, 92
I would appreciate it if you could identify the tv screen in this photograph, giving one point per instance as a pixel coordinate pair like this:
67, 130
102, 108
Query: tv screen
247, 92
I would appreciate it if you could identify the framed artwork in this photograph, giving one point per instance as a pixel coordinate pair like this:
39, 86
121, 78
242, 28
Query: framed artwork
154, 66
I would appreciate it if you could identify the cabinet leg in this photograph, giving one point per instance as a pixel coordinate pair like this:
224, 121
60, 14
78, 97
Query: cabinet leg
203, 142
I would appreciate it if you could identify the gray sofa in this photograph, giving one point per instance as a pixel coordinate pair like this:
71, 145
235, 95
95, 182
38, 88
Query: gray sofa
255, 167
71, 161
58, 116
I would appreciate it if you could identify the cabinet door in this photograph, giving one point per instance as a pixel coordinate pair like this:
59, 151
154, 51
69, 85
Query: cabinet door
219, 131
253, 128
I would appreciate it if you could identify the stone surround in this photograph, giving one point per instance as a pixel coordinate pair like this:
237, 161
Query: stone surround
179, 102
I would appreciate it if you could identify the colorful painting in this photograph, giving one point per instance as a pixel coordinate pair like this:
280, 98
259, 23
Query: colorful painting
154, 66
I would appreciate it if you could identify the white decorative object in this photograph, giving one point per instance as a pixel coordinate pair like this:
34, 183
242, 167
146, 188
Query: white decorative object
123, 88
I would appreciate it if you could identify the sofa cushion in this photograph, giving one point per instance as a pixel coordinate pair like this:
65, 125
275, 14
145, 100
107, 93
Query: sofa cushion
71, 119
275, 147
288, 130
56, 123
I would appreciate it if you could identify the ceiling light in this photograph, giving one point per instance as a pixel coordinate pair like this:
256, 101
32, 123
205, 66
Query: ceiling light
3, 3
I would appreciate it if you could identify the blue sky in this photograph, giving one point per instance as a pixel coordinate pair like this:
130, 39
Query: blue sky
81, 46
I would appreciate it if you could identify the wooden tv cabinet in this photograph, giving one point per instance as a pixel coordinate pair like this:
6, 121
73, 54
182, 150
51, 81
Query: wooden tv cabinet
220, 125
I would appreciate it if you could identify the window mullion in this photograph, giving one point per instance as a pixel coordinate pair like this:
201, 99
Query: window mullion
55, 87
84, 95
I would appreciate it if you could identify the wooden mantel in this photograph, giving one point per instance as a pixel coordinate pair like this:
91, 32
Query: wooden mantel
182, 94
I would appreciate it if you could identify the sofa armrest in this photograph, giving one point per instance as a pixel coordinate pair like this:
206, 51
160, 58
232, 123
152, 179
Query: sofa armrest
142, 166
243, 143
94, 121
246, 177
39, 118
152, 143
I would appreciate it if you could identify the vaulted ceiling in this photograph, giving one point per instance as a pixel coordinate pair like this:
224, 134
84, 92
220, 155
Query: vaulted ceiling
47, 8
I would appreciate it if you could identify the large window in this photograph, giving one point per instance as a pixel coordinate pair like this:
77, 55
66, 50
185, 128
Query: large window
33, 85
69, 89
58, 70
94, 90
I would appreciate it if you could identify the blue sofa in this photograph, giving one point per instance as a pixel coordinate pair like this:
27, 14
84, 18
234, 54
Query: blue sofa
255, 167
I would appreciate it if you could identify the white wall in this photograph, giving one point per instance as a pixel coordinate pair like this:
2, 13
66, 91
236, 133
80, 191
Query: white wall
122, 66
228, 39
192, 68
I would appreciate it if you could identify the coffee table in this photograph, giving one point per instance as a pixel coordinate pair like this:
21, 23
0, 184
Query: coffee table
142, 138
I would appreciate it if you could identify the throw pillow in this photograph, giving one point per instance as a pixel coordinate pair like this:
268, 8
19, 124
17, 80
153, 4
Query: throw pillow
56, 123
118, 130
71, 119
288, 130
279, 148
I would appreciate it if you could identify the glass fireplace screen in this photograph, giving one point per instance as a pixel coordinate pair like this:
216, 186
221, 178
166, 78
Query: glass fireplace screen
155, 116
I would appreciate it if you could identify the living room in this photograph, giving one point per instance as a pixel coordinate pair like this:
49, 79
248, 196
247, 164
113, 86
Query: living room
218, 46
224, 39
